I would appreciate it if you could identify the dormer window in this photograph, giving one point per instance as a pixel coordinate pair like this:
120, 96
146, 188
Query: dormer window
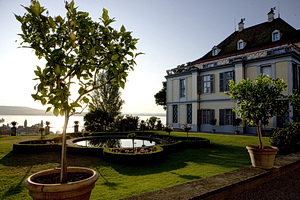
215, 51
240, 45
275, 36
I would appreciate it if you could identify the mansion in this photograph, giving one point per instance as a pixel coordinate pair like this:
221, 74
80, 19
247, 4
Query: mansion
195, 91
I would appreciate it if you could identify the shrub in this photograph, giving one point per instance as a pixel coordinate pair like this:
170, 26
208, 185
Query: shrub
287, 139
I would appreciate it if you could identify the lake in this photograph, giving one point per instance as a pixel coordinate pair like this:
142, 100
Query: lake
57, 122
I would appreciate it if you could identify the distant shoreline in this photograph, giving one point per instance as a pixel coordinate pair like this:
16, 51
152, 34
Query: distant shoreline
21, 110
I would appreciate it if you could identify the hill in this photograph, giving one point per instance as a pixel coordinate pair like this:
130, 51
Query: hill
20, 110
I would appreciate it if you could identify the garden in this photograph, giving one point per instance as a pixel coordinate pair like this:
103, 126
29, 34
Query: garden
116, 181
76, 58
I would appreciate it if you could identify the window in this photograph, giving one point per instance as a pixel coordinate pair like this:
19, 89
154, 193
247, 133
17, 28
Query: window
207, 84
206, 115
240, 45
215, 51
266, 70
227, 117
224, 80
182, 88
175, 114
189, 113
275, 36
296, 76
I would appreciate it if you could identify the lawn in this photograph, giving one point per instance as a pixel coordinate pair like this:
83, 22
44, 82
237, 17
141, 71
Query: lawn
116, 181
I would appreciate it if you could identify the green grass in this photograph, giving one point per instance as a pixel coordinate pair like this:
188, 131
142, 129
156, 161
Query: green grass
227, 153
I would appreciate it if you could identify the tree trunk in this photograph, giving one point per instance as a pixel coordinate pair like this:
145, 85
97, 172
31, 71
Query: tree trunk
259, 134
133, 145
63, 171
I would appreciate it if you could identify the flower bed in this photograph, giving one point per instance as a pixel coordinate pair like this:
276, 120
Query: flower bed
133, 158
136, 150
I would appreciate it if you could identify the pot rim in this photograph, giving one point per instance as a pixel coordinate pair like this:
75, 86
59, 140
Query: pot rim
265, 148
31, 185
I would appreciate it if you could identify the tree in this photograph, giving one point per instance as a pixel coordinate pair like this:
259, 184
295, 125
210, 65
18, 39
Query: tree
257, 101
295, 102
76, 49
107, 98
161, 96
127, 123
97, 120
151, 122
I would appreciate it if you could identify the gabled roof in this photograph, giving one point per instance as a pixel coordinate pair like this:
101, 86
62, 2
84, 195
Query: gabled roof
255, 37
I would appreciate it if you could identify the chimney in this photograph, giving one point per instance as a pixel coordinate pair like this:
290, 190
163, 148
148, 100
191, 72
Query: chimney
271, 15
241, 25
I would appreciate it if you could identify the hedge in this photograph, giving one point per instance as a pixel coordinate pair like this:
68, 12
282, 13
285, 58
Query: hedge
133, 158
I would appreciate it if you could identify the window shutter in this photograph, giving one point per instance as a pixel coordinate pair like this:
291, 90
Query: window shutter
199, 84
221, 82
222, 119
233, 117
199, 113
212, 82
212, 114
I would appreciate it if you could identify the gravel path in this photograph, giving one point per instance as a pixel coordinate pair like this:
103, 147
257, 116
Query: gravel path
284, 187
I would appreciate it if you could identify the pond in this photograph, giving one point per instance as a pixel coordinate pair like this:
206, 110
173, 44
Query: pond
115, 143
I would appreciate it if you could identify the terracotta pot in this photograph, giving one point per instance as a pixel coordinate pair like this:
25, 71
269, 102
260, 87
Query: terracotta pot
79, 190
263, 158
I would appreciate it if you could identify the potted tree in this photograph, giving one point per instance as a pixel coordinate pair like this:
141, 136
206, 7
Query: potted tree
213, 122
14, 128
76, 49
237, 123
186, 129
168, 129
256, 104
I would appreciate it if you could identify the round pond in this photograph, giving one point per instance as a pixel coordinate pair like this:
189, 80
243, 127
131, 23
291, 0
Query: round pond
114, 143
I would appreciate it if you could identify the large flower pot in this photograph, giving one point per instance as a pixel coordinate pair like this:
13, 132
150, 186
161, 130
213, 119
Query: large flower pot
79, 190
263, 158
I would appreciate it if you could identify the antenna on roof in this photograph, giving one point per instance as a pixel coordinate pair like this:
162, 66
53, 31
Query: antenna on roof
278, 10
234, 24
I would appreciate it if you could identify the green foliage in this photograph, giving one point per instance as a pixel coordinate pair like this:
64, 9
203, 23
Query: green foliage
74, 47
287, 139
295, 102
127, 123
257, 101
97, 120
161, 96
106, 98
151, 122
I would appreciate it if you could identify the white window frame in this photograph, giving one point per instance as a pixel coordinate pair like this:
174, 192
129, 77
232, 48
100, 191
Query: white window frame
207, 84
275, 35
241, 45
215, 51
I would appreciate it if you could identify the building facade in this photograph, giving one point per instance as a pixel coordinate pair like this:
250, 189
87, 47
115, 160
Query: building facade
195, 91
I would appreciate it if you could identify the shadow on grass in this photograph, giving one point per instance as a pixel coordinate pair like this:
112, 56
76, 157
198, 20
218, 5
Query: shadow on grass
23, 160
13, 190
107, 183
223, 155
187, 177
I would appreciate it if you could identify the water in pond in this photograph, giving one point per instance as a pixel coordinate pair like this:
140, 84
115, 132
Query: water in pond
115, 143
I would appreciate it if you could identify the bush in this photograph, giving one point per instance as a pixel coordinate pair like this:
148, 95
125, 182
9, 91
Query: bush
287, 139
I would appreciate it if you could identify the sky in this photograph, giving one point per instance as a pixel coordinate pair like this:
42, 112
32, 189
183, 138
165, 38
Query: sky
170, 32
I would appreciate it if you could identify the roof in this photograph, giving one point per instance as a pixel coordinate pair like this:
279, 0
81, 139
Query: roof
255, 37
